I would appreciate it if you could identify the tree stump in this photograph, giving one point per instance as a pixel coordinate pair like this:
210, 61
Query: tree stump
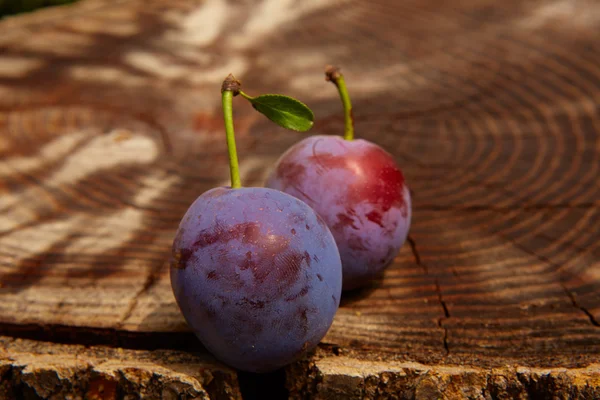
110, 126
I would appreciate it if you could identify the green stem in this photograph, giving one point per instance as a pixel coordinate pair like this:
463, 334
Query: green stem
234, 169
244, 95
334, 75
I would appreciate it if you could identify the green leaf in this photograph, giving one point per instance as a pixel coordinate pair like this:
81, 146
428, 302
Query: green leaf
284, 111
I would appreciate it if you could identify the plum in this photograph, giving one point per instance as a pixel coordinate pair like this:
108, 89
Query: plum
257, 276
256, 272
357, 188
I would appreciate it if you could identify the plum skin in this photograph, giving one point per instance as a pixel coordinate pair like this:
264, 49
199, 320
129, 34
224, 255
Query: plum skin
359, 190
257, 276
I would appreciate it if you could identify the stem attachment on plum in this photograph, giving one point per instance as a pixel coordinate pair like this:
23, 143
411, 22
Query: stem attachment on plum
230, 88
334, 75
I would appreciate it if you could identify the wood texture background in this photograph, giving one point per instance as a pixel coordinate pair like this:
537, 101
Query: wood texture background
110, 126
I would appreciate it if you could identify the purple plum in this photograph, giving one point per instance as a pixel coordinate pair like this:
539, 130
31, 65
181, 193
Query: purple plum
257, 275
359, 190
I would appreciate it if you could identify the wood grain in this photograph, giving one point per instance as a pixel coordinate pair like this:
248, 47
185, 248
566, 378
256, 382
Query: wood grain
110, 127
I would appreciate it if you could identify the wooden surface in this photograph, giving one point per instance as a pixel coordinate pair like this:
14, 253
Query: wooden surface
110, 127
43, 370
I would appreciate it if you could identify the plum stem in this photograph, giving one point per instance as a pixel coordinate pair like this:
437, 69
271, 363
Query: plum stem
334, 75
230, 88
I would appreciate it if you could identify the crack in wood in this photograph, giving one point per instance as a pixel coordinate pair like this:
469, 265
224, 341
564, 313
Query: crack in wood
445, 317
577, 305
546, 260
110, 337
150, 281
413, 246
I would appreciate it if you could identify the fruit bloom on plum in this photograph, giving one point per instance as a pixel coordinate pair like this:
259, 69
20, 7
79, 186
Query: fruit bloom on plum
257, 275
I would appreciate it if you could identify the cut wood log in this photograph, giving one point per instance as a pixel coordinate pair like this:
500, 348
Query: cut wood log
110, 127
337, 377
32, 369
